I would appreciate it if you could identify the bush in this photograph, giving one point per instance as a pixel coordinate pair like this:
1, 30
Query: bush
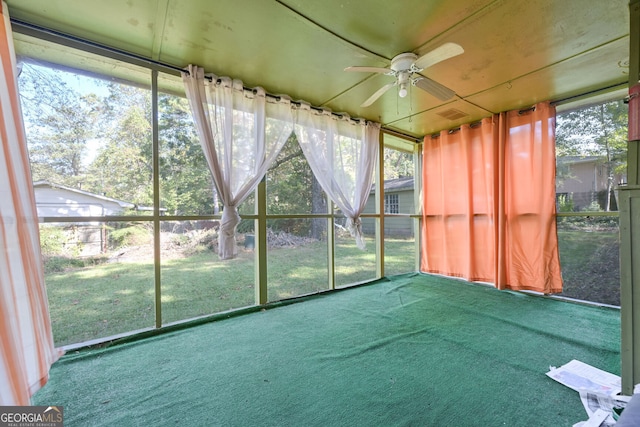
200, 241
52, 240
246, 226
593, 207
292, 226
135, 235
565, 203
59, 241
57, 264
587, 223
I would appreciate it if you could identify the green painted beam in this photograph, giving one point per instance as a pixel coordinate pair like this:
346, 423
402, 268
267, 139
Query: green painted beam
633, 153
379, 199
417, 201
331, 248
630, 286
261, 244
630, 234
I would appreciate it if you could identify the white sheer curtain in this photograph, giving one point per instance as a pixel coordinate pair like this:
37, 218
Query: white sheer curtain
241, 133
26, 340
342, 154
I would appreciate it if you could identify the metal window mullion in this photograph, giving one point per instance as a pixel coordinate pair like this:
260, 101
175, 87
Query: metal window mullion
331, 248
156, 198
417, 202
261, 271
379, 196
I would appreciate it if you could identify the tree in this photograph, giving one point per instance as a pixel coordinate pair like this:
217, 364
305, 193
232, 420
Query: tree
186, 183
59, 125
293, 189
598, 130
123, 167
62, 123
397, 164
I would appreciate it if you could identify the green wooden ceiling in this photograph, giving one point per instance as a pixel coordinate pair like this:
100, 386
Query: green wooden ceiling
517, 52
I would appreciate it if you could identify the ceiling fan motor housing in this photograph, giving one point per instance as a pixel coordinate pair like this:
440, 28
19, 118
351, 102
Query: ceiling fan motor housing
403, 62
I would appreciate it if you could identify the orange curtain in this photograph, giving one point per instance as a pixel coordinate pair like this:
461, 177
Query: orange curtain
26, 342
489, 202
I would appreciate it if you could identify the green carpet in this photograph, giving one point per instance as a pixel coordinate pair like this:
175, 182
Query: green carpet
413, 350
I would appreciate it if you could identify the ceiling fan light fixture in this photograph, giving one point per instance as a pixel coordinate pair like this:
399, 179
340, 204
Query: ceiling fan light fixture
403, 90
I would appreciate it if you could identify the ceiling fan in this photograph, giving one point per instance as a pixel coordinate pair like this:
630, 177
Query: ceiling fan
407, 69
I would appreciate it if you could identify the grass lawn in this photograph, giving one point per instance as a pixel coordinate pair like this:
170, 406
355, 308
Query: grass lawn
106, 299
94, 301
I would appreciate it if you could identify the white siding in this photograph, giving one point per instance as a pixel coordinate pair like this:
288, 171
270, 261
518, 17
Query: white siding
56, 202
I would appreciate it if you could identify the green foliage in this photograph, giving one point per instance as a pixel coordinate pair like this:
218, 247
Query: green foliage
587, 131
186, 183
289, 181
598, 130
588, 223
292, 226
52, 240
204, 241
565, 203
246, 226
59, 124
122, 168
102, 143
397, 164
58, 241
594, 206
290, 189
134, 235
57, 264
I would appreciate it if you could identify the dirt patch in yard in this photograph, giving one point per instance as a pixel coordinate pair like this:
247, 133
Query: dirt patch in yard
599, 279
181, 245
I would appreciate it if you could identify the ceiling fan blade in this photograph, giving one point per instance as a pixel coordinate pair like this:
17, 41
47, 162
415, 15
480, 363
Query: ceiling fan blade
441, 92
370, 69
446, 51
373, 98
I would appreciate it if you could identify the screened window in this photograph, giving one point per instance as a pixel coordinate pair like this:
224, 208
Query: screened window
591, 157
591, 165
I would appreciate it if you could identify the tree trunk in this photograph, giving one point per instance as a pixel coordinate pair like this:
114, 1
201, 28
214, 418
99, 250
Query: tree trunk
609, 193
216, 201
609, 165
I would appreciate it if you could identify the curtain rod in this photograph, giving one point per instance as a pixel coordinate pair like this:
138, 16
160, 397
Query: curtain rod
297, 103
47, 34
590, 93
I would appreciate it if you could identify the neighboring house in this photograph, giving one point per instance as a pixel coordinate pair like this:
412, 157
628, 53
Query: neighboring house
398, 199
81, 238
582, 180
54, 200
